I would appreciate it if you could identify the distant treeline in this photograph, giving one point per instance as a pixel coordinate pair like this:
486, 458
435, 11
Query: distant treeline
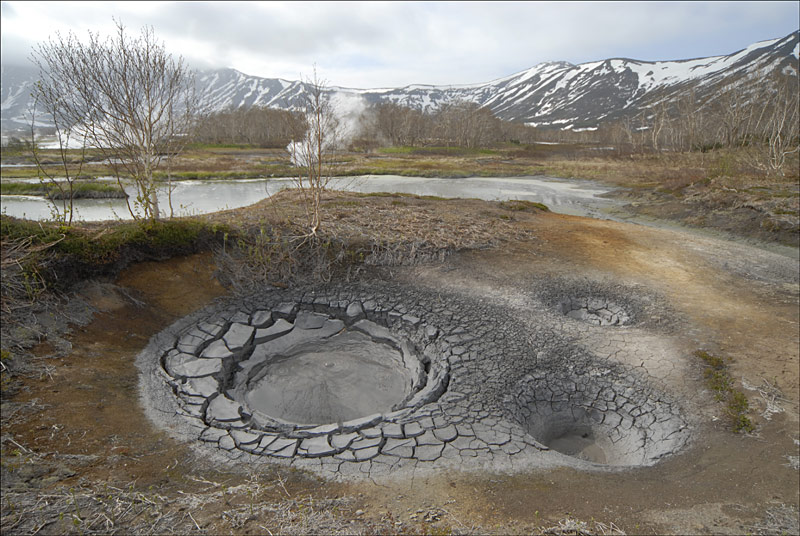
257, 126
456, 125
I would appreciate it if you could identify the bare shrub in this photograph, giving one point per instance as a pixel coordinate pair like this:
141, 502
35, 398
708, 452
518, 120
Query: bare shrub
127, 97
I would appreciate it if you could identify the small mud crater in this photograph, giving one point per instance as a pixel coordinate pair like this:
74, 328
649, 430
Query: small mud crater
596, 311
601, 414
603, 303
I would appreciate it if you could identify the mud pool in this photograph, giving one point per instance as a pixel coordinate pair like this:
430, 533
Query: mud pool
534, 308
362, 380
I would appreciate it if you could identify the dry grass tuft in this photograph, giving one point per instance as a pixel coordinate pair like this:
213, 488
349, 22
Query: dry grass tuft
20, 277
357, 230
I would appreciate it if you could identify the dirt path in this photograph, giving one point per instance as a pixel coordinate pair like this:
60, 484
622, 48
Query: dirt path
732, 300
724, 483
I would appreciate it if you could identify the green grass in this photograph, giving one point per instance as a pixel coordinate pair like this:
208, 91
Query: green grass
29, 172
198, 146
80, 190
524, 206
82, 251
448, 151
208, 175
714, 362
401, 149
721, 383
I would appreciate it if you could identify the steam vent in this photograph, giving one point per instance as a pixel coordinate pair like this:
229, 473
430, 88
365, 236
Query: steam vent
363, 380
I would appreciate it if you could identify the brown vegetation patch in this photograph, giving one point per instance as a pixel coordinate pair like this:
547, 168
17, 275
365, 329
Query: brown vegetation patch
273, 247
387, 218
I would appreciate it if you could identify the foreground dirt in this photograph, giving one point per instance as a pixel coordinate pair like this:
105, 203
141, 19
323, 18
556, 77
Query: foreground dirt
81, 428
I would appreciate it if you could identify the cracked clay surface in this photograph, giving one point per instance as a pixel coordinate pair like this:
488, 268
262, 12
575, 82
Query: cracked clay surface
495, 392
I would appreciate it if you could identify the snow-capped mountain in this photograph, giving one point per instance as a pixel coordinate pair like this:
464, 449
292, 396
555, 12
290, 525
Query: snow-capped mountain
552, 94
15, 95
556, 94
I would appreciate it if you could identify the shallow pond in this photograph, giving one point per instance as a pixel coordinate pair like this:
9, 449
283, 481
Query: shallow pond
576, 197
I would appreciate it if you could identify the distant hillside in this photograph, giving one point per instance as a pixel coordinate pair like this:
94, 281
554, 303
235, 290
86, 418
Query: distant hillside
553, 94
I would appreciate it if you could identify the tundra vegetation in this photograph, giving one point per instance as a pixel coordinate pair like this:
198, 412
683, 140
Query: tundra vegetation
721, 383
755, 121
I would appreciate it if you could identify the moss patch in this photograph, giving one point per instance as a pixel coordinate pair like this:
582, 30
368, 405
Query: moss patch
64, 255
81, 190
719, 380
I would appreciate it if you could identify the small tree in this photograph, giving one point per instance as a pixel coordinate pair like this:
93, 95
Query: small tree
466, 124
782, 125
127, 97
768, 119
62, 190
313, 153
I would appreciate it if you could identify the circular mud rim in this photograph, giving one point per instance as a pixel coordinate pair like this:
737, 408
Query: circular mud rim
496, 390
603, 304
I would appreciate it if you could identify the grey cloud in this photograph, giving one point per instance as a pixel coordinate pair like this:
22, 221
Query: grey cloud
293, 31
370, 44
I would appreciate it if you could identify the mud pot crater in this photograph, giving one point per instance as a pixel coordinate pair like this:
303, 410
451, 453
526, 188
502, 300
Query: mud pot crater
364, 380
603, 304
600, 413
597, 311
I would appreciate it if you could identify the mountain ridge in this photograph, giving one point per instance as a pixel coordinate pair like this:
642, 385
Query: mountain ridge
555, 94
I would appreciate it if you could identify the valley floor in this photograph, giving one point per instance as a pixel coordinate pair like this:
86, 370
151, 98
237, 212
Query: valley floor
718, 190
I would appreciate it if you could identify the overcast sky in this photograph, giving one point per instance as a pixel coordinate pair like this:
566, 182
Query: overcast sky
391, 44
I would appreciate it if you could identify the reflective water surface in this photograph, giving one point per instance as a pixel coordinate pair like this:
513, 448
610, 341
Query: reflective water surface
575, 197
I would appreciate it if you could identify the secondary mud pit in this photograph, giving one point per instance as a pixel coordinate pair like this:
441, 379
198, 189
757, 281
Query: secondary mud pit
597, 311
367, 380
604, 415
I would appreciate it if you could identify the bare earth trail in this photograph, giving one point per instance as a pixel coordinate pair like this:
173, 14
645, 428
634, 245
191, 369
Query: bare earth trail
723, 480
729, 299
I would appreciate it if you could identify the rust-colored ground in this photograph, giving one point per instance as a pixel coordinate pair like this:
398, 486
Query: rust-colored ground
723, 483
